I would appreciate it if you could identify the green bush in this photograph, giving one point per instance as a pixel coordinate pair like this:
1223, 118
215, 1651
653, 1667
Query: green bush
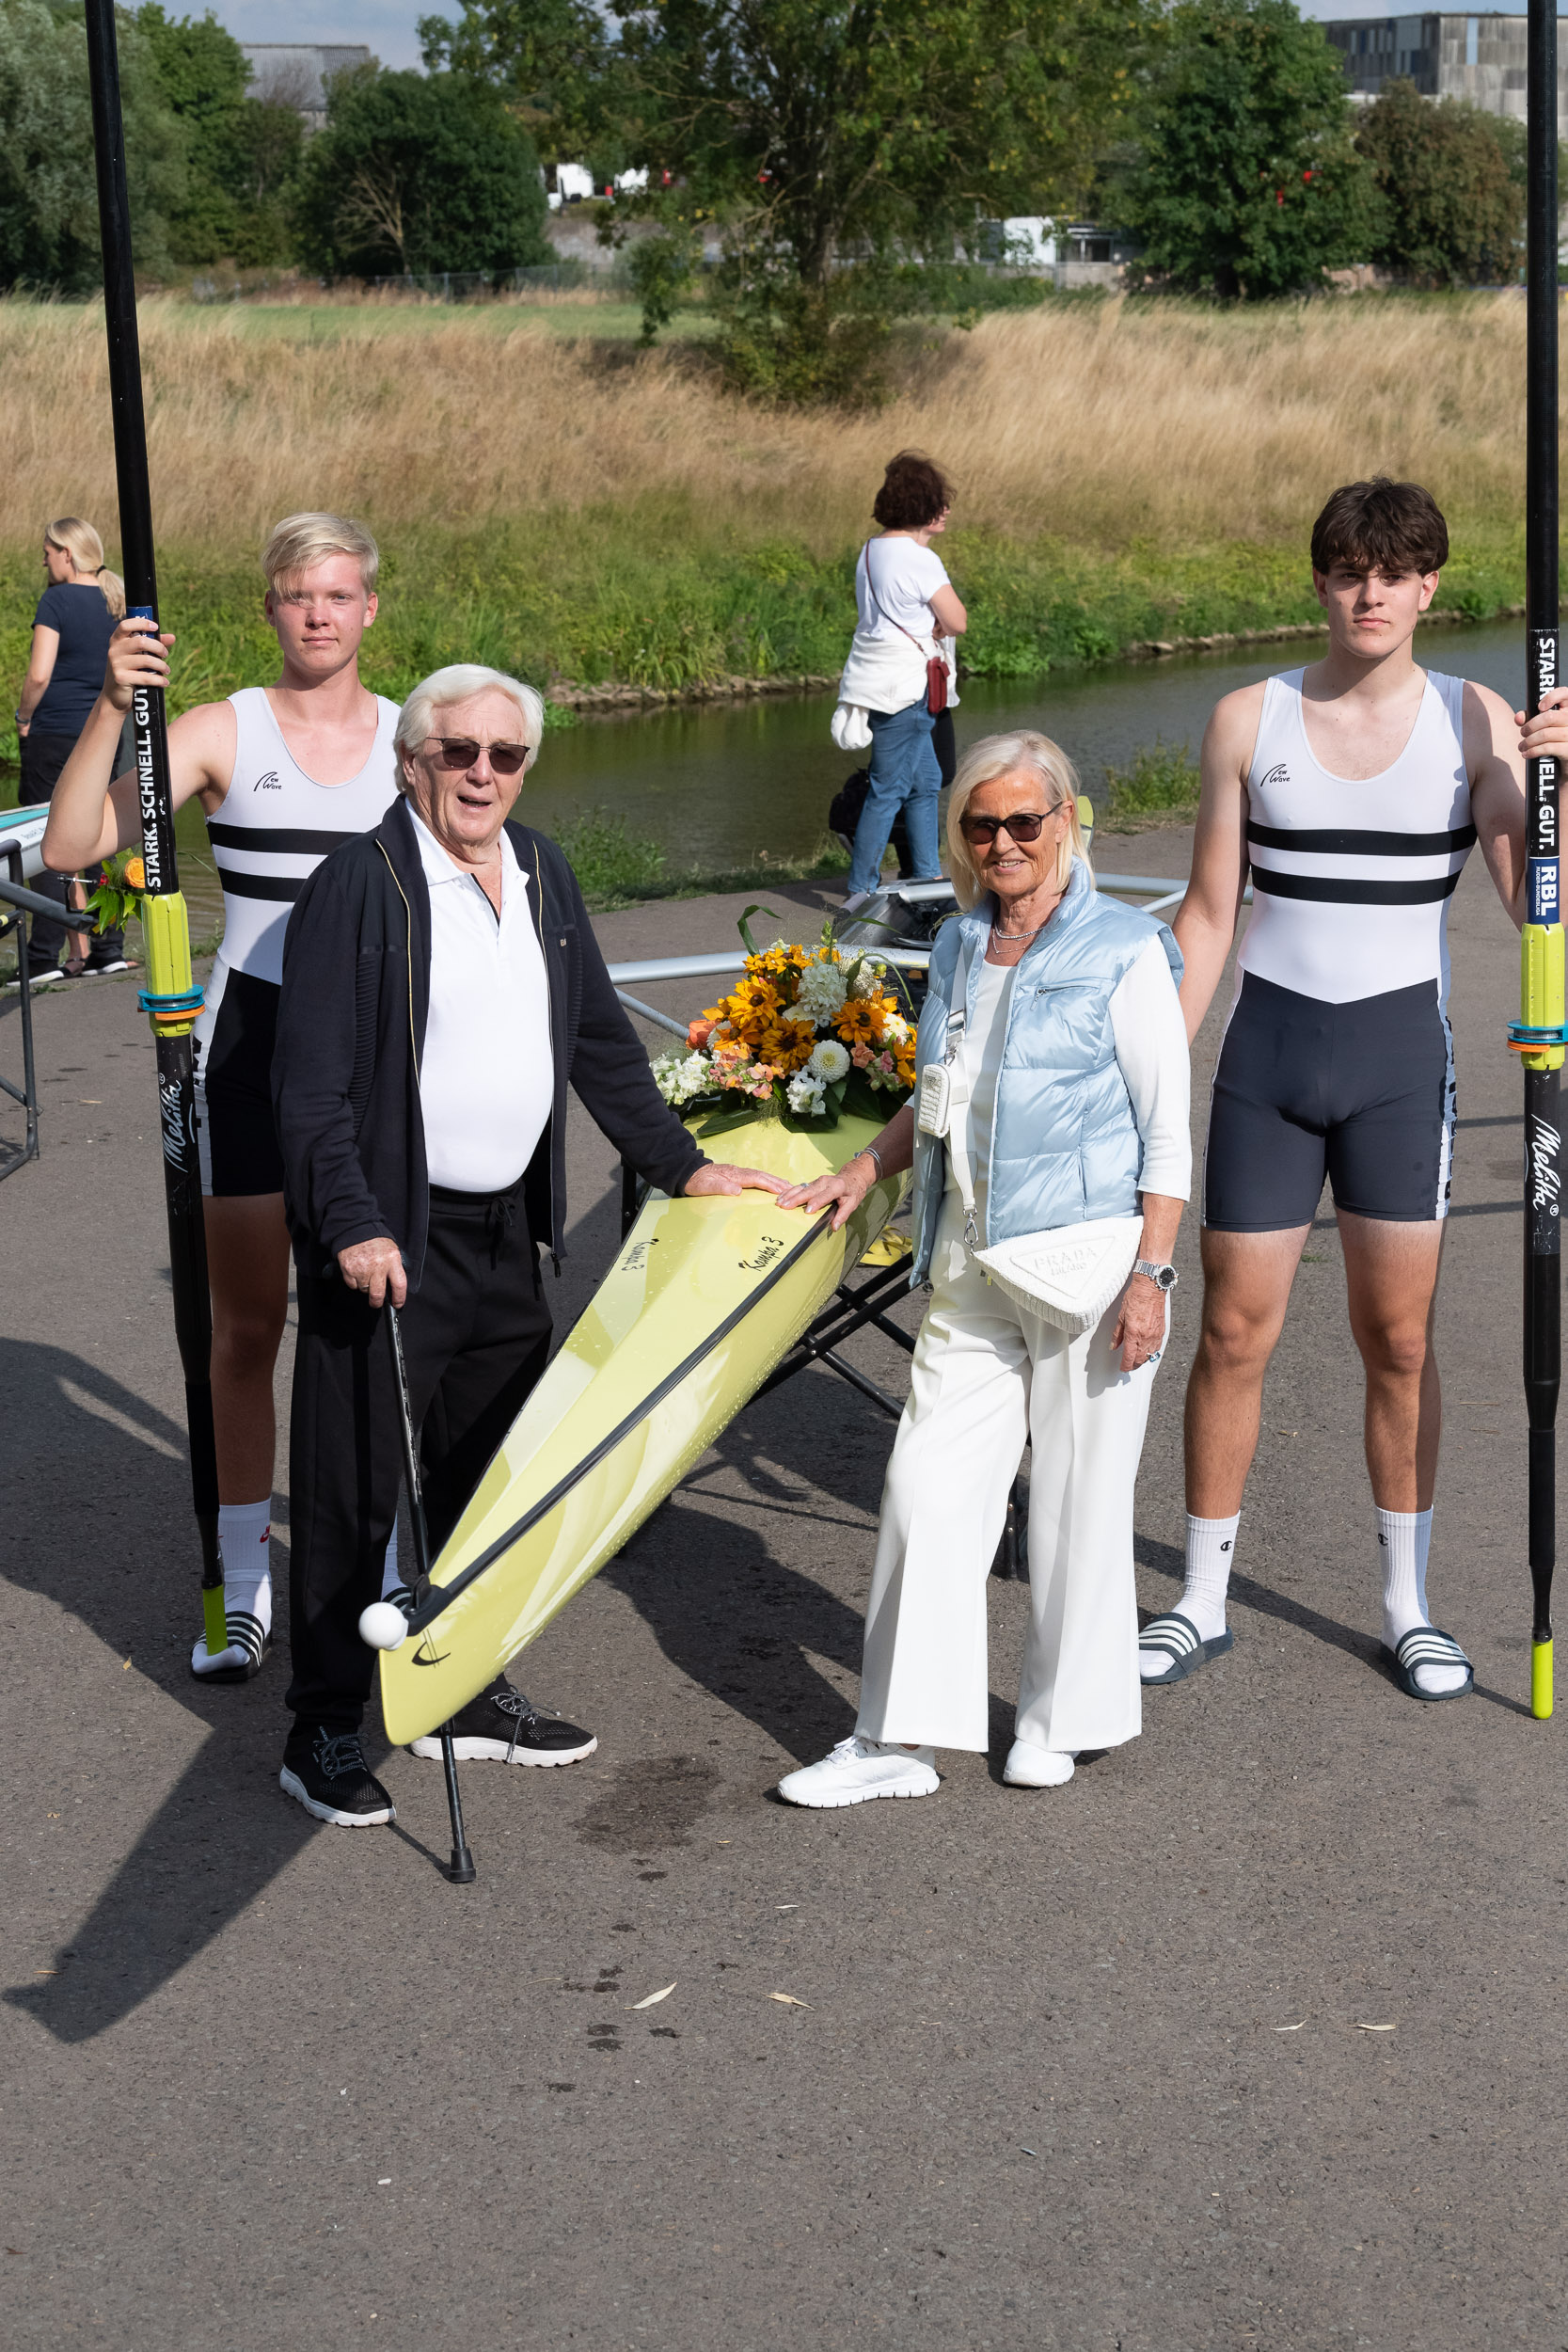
613, 866
1161, 787
415, 174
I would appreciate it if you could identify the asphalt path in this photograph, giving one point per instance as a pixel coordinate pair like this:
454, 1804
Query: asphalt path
1252, 2036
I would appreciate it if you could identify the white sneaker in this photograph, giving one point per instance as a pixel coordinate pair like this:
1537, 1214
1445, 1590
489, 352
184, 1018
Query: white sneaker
859, 1768
1028, 1767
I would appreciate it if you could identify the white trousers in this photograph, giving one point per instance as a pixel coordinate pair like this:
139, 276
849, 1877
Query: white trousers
987, 1376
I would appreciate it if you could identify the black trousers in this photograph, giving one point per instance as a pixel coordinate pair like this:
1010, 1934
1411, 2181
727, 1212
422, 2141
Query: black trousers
476, 1336
43, 756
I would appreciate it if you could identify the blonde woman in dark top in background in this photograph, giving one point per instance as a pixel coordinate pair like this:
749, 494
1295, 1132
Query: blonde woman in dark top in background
76, 619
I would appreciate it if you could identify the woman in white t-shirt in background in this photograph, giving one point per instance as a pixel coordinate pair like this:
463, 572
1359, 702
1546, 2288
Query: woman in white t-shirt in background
907, 606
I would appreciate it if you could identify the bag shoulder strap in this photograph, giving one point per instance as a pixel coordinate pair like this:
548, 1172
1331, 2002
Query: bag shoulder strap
956, 1137
871, 592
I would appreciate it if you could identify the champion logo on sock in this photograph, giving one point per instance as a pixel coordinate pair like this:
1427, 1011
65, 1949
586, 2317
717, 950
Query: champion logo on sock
1226, 1546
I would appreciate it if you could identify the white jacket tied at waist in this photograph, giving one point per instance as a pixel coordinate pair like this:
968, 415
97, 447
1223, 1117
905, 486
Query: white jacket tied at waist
884, 674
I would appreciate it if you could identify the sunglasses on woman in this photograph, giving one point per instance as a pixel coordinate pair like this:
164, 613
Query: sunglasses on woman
1022, 826
459, 751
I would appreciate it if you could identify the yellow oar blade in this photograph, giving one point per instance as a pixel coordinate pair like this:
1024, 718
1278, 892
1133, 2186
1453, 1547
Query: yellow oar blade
1541, 1682
216, 1622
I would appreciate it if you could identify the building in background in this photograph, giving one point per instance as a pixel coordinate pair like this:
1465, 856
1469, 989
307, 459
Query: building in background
1480, 59
296, 72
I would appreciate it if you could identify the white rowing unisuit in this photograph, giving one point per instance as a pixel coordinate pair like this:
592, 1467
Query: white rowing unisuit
275, 825
1351, 878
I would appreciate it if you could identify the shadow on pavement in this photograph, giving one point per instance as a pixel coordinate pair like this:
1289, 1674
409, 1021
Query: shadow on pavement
224, 1833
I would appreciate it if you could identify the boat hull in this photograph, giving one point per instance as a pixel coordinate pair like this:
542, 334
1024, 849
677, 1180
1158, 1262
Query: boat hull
703, 1300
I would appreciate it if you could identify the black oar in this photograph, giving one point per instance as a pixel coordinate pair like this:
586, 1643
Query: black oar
1538, 1035
461, 1870
170, 1000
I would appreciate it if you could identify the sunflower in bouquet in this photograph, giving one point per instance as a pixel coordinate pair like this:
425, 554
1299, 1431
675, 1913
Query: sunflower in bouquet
809, 1029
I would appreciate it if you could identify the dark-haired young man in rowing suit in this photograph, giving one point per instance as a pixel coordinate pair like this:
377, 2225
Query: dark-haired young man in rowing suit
1354, 790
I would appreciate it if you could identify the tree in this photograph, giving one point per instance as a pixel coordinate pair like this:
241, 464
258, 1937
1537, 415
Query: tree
243, 152
551, 56
1454, 201
1243, 179
411, 174
48, 193
831, 130
831, 138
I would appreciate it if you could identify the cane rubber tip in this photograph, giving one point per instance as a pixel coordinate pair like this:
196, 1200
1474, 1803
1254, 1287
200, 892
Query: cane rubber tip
1541, 1682
383, 1626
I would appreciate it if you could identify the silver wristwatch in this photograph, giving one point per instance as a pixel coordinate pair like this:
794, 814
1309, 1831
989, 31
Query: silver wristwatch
1163, 1276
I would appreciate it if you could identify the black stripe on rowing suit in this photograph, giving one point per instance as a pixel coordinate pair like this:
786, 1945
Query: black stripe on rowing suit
1335, 844
285, 888
279, 840
1333, 890
442, 1596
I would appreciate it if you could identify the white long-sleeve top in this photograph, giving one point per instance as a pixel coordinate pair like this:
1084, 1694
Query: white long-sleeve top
1150, 1039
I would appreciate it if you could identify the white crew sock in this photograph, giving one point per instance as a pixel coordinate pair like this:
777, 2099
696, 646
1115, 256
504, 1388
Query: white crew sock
1403, 1541
245, 1544
1211, 1551
392, 1587
244, 1539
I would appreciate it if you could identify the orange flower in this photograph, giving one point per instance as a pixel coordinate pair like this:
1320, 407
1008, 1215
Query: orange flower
136, 874
862, 1019
698, 1031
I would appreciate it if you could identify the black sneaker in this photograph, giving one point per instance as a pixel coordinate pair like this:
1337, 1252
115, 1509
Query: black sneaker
328, 1773
102, 961
502, 1727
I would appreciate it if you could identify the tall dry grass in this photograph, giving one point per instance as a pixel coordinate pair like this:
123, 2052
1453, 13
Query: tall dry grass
1109, 426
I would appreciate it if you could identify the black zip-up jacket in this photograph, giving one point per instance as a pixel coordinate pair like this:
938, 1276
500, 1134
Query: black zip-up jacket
351, 1026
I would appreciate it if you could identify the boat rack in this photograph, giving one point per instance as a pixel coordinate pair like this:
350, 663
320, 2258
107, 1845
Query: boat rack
855, 1304
22, 904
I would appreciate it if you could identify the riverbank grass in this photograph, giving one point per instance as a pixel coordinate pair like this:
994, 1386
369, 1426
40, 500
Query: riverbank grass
570, 509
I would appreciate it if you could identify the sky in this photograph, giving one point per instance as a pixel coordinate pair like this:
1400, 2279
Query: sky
388, 25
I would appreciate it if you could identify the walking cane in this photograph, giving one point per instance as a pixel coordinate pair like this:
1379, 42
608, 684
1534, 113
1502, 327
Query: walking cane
1538, 1035
462, 1871
170, 1000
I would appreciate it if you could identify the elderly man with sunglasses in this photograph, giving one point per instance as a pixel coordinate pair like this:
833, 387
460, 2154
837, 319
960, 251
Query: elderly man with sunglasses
441, 986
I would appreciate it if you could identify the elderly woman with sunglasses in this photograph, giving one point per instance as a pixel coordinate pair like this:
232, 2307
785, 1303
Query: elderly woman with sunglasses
1054, 1034
441, 988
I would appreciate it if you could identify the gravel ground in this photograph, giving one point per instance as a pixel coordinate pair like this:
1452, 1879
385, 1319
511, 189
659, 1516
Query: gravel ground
1093, 2068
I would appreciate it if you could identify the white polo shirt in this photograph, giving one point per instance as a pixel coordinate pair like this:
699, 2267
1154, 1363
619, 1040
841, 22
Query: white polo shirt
487, 1079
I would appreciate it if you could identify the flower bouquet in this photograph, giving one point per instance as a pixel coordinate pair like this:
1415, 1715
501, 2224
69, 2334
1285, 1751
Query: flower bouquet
120, 894
807, 1032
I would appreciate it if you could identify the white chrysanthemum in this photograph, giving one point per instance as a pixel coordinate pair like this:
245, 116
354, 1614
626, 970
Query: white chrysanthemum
821, 992
868, 978
896, 1027
804, 1094
830, 1060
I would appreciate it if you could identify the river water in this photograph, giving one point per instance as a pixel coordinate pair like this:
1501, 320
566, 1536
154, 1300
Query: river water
719, 785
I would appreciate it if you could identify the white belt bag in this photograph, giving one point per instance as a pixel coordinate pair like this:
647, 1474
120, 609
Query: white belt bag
1068, 1274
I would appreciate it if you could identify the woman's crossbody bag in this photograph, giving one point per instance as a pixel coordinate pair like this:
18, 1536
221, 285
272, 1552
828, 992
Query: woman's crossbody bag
935, 668
1068, 1274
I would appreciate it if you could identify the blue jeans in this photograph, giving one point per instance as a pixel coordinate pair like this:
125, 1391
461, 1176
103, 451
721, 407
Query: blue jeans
904, 774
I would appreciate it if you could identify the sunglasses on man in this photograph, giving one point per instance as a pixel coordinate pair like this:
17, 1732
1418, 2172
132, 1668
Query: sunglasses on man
456, 752
1022, 826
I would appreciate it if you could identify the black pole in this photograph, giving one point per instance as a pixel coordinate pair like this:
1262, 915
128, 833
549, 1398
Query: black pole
170, 1000
462, 1871
1542, 987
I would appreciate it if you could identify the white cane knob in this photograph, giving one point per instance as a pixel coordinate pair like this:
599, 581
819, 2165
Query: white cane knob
383, 1626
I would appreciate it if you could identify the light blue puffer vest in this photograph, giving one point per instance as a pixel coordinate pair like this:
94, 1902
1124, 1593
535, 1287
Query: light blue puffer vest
1065, 1145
